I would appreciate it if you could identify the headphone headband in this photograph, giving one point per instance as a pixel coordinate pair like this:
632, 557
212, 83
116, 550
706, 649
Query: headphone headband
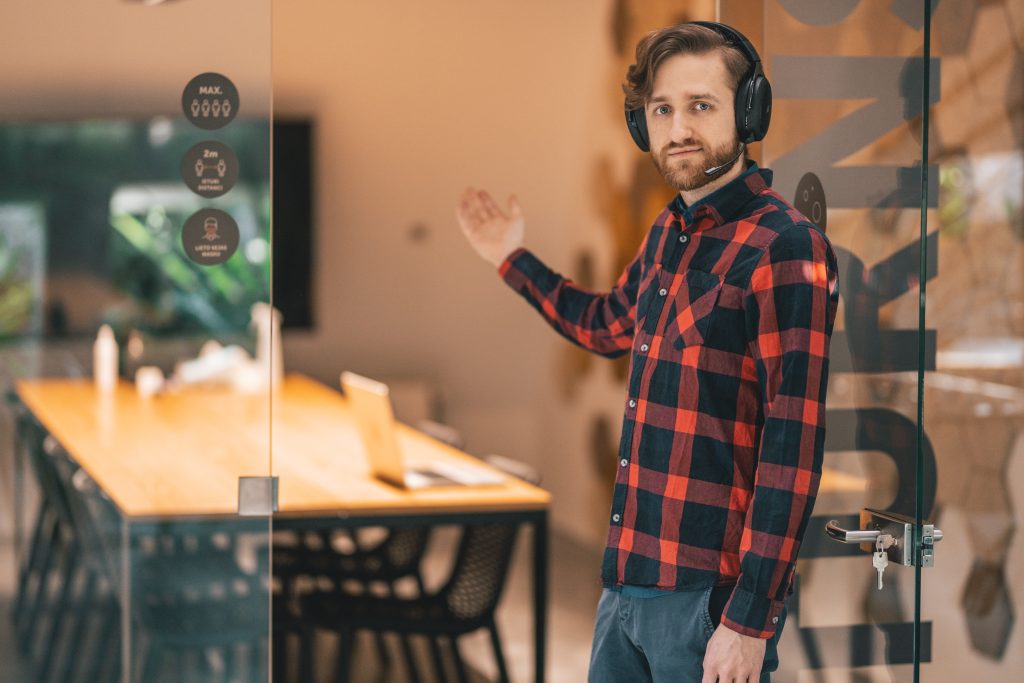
731, 34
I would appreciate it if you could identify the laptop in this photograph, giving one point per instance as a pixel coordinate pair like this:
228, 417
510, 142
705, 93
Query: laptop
371, 407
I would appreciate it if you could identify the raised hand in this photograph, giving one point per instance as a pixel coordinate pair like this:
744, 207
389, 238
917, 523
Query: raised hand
493, 233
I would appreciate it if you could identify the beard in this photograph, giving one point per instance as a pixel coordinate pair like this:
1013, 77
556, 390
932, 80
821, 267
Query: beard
688, 174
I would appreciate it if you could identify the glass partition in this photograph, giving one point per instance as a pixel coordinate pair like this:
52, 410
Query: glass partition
847, 142
974, 398
135, 328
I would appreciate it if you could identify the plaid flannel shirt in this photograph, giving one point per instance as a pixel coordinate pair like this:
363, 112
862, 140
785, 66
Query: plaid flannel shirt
727, 311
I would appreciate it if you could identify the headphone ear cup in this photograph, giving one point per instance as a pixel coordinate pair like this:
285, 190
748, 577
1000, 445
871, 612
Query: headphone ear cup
760, 115
636, 121
742, 106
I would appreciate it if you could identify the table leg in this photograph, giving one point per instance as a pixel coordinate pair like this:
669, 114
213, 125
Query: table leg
540, 593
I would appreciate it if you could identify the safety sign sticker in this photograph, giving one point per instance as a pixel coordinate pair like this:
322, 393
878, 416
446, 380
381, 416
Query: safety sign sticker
810, 200
210, 168
210, 237
210, 101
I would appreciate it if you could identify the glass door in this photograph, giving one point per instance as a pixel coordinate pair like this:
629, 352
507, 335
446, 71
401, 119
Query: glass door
925, 435
135, 292
974, 391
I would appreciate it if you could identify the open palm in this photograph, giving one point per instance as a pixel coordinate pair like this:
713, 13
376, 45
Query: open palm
493, 233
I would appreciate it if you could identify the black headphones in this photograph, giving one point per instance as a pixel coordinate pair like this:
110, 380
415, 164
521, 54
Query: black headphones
753, 95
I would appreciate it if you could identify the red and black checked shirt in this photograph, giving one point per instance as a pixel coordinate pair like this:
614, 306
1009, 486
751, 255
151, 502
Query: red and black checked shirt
726, 312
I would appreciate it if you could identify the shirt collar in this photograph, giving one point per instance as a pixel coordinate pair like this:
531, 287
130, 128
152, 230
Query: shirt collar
724, 204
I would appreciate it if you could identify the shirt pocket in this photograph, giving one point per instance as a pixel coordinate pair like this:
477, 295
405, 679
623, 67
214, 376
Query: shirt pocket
694, 303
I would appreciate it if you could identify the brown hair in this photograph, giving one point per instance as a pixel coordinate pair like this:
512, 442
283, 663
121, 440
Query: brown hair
685, 38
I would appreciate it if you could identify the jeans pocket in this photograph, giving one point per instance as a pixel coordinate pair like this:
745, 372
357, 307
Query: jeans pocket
705, 612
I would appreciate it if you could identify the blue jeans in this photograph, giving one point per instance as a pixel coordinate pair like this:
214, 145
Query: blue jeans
661, 639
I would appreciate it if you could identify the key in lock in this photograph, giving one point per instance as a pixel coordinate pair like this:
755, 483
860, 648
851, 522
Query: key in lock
880, 559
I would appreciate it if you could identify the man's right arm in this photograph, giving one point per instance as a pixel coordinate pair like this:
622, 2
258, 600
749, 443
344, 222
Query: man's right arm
602, 323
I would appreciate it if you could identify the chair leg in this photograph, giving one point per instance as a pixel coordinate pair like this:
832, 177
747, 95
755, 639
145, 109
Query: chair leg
86, 603
26, 571
108, 657
410, 661
435, 651
279, 645
107, 649
258, 666
69, 571
151, 663
307, 644
230, 663
381, 648
38, 603
460, 666
346, 638
499, 655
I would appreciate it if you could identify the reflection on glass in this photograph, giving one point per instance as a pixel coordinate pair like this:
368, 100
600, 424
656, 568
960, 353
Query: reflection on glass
111, 202
115, 564
848, 86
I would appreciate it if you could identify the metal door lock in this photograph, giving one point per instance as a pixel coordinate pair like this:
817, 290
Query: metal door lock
929, 536
889, 533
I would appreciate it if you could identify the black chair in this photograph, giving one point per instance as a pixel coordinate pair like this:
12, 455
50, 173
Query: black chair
70, 554
464, 604
343, 559
49, 549
97, 609
304, 560
188, 593
315, 555
190, 596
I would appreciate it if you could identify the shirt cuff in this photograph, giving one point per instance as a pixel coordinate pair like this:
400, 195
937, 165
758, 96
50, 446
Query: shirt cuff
506, 265
752, 615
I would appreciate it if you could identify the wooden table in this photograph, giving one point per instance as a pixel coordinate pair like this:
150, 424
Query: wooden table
178, 456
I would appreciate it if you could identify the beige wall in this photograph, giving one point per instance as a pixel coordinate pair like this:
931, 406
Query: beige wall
413, 101
80, 58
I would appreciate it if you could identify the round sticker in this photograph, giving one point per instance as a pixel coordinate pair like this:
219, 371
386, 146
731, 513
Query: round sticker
810, 200
210, 168
210, 101
210, 237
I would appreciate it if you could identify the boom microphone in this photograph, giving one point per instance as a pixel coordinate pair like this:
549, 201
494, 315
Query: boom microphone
715, 169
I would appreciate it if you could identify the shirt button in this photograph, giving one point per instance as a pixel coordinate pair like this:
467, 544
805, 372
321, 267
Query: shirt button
684, 238
644, 347
663, 291
623, 462
632, 403
775, 620
616, 517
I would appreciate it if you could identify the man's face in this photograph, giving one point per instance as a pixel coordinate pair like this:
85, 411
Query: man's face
690, 119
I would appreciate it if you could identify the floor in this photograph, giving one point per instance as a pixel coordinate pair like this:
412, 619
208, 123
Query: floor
574, 589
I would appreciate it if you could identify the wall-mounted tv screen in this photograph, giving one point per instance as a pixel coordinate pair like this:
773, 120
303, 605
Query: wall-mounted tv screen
91, 214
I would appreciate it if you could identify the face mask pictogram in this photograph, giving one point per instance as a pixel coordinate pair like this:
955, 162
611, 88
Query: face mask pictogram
210, 237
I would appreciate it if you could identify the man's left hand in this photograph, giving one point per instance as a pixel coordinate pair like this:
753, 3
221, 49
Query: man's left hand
733, 658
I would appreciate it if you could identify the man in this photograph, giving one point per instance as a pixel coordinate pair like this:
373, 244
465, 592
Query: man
727, 311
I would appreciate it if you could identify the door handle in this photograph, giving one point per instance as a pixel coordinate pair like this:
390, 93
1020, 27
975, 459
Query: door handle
899, 528
838, 533
858, 536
